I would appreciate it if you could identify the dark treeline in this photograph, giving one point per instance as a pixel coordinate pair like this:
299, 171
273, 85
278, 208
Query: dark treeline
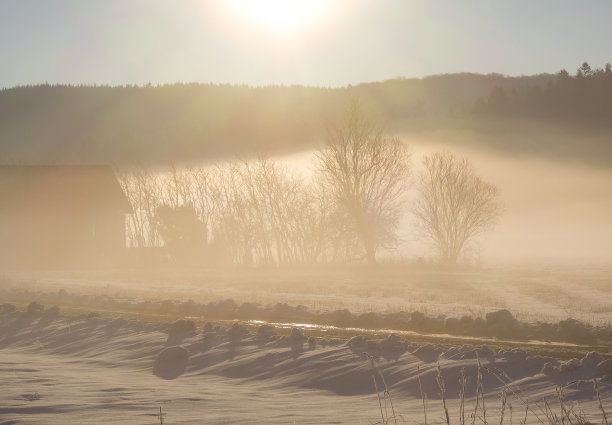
127, 124
583, 98
154, 124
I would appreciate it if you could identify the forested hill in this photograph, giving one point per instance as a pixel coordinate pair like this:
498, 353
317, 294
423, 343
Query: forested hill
56, 123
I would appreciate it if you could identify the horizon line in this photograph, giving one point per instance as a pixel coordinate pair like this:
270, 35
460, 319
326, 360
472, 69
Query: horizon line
260, 86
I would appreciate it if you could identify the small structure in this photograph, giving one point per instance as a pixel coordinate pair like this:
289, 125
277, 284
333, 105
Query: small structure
61, 216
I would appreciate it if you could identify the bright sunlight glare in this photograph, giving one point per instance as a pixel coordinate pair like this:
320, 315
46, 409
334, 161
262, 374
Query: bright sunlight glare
283, 15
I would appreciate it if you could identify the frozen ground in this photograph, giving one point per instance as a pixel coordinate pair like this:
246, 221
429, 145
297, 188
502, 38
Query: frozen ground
540, 293
90, 368
58, 370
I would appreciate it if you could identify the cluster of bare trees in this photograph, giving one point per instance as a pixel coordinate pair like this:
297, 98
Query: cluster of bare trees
258, 212
239, 212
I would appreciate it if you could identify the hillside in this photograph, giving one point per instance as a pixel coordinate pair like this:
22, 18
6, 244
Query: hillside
130, 124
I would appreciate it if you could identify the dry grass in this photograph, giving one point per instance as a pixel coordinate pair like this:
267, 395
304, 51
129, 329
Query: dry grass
509, 396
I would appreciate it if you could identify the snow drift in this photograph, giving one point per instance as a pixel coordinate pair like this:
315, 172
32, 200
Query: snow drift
44, 355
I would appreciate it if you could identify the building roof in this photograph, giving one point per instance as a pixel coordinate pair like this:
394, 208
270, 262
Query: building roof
60, 187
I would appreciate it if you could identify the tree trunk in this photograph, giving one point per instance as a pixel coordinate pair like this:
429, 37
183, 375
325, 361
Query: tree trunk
368, 244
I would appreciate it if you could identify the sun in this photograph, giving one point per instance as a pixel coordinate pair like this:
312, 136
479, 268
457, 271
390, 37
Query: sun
281, 15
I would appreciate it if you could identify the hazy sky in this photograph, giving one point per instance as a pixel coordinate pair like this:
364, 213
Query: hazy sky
338, 43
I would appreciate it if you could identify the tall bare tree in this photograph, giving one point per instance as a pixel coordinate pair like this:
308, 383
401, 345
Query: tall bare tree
455, 205
366, 173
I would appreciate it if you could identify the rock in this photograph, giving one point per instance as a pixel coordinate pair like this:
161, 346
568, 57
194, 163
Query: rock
500, 317
479, 325
372, 345
208, 336
549, 368
452, 324
183, 325
536, 362
570, 365
266, 331
572, 330
7, 308
604, 368
35, 309
429, 352
357, 341
236, 331
485, 352
593, 358
171, 362
501, 323
52, 312
220, 330
297, 334
451, 353
392, 342
514, 355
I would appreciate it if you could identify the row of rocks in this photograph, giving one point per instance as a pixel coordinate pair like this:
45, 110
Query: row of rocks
34, 309
499, 324
593, 361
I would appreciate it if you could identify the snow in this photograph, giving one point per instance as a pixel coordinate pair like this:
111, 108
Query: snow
532, 294
62, 369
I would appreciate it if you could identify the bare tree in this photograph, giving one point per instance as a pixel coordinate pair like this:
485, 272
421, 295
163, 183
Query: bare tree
177, 186
455, 205
143, 189
366, 173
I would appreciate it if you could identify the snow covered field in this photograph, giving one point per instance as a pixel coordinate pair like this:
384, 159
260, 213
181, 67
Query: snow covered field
545, 293
101, 368
58, 370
